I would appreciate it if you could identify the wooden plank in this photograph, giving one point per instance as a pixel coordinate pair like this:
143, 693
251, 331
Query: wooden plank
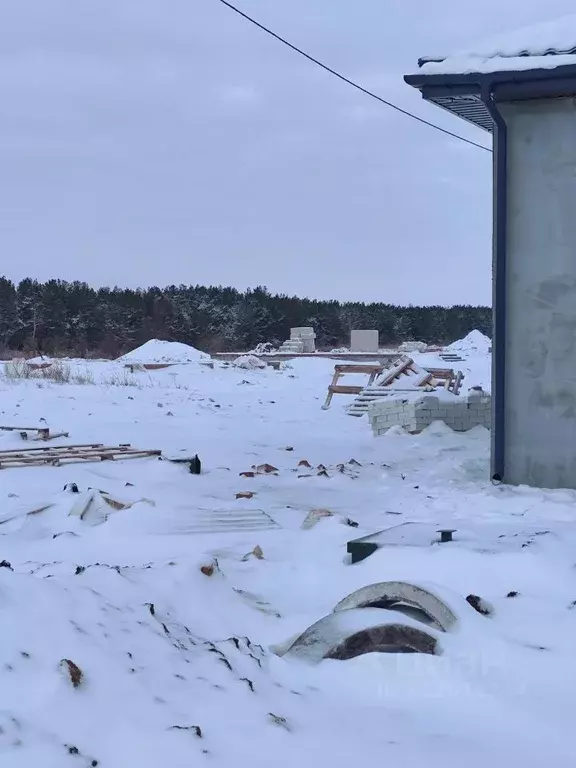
458, 383
24, 456
415, 368
330, 393
43, 433
408, 388
372, 370
44, 449
441, 373
342, 389
80, 454
395, 372
40, 459
24, 429
423, 378
358, 368
372, 378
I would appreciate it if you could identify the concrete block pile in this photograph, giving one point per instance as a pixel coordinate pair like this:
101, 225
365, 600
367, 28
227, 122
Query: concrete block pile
301, 340
416, 413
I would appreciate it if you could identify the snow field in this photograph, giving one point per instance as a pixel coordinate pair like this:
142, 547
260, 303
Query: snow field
162, 647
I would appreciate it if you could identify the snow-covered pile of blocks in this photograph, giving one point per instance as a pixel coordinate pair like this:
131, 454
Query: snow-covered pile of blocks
301, 340
416, 413
413, 346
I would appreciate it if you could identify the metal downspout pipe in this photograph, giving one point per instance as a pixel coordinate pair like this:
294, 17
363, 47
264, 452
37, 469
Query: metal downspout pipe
500, 214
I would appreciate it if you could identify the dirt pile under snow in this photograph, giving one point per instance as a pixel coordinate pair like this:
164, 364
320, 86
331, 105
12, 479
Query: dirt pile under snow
473, 344
156, 351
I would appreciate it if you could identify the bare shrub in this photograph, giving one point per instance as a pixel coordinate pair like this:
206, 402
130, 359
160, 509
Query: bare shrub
57, 372
83, 377
17, 369
121, 379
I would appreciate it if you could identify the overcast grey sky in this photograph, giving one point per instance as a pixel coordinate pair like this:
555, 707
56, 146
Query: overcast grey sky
168, 141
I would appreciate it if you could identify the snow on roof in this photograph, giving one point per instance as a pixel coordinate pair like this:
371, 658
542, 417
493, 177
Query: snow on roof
546, 45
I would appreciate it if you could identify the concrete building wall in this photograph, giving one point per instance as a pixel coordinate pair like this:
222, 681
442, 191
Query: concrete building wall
540, 399
364, 341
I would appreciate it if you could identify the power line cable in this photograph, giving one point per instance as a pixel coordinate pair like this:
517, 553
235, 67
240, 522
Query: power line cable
348, 81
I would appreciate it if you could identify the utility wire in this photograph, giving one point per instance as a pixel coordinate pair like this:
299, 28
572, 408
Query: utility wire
347, 80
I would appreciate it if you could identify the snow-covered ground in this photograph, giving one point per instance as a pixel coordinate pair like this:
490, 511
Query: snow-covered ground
174, 667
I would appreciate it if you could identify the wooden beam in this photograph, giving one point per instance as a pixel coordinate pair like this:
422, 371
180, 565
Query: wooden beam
343, 389
48, 448
330, 393
67, 454
358, 368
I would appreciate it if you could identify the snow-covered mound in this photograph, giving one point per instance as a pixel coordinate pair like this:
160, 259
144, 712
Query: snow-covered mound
249, 363
156, 351
475, 343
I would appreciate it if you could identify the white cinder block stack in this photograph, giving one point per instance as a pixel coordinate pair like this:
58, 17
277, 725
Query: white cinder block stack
417, 413
306, 336
301, 340
292, 347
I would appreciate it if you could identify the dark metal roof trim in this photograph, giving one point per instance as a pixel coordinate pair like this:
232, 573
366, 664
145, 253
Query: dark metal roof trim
460, 93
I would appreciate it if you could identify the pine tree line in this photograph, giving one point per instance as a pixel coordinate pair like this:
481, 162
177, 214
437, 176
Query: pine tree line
73, 318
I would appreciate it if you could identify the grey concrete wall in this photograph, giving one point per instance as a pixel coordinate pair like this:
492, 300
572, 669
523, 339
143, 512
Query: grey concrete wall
364, 341
540, 400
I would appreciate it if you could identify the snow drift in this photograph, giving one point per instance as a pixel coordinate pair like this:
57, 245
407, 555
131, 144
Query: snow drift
472, 344
157, 351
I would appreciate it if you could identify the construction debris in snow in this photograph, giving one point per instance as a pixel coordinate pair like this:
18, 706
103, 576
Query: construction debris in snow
39, 433
67, 454
249, 363
402, 375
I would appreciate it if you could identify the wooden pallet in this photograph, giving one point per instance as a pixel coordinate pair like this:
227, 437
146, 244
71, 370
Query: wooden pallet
67, 454
385, 381
403, 367
405, 377
454, 384
42, 433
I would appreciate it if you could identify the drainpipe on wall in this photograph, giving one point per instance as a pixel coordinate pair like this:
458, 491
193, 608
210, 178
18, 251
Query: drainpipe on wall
499, 282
